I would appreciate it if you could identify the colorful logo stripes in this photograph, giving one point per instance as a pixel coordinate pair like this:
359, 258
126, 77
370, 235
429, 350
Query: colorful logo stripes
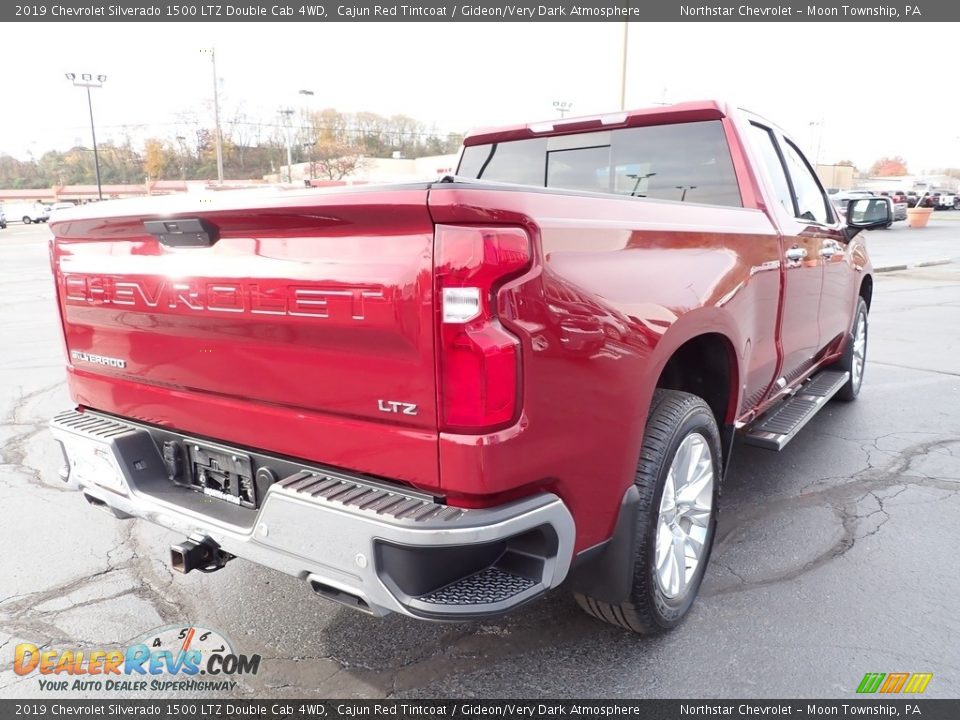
894, 683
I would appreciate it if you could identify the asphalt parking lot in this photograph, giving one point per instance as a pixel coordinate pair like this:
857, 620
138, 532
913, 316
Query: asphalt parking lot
835, 557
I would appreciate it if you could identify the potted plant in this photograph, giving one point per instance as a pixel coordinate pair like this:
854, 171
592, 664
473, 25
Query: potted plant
918, 216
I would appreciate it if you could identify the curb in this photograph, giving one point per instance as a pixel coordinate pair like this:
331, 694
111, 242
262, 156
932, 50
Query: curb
925, 263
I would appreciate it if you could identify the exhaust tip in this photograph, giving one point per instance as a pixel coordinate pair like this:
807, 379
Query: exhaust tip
339, 596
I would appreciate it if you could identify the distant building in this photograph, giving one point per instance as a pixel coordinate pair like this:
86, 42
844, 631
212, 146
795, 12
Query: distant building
915, 183
378, 170
837, 176
87, 193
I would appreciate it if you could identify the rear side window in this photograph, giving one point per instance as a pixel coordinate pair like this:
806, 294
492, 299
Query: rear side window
689, 162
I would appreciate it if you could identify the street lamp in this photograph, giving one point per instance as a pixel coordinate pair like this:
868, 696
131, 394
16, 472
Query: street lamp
639, 179
308, 140
287, 113
562, 107
623, 66
819, 125
183, 161
87, 81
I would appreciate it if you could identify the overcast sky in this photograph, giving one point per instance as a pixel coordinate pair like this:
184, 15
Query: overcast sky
879, 88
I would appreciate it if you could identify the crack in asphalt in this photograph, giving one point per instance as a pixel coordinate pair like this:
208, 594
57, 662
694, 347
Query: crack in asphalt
914, 367
844, 498
14, 450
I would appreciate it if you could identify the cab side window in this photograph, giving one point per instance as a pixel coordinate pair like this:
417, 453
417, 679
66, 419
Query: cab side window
771, 159
811, 203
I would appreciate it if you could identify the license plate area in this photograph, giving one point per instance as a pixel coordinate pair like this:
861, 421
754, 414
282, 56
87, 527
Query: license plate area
212, 470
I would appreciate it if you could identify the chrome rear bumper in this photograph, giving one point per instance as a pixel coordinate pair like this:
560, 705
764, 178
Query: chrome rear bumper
377, 547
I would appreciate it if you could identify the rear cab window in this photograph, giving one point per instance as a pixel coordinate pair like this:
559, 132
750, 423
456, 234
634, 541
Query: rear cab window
686, 162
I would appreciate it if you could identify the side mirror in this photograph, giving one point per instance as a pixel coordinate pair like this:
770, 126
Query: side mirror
867, 213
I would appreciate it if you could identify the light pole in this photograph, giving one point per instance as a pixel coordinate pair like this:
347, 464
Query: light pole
307, 95
639, 178
623, 68
218, 136
87, 81
288, 114
562, 107
183, 160
819, 125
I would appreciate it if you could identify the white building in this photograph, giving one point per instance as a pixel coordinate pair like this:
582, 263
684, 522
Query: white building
916, 183
380, 170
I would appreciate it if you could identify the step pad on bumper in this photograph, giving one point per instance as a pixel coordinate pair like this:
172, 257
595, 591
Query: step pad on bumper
492, 585
779, 426
390, 503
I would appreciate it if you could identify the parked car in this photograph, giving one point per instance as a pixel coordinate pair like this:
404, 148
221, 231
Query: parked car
444, 399
27, 212
62, 206
946, 200
898, 211
3, 220
898, 196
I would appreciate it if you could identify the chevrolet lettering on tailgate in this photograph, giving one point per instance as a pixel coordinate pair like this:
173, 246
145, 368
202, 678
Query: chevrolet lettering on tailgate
256, 298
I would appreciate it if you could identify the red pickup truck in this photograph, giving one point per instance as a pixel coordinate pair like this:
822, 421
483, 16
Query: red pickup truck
444, 399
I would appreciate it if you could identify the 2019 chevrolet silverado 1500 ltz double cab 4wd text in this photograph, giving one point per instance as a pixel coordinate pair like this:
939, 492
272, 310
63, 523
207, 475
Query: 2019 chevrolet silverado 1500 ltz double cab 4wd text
444, 399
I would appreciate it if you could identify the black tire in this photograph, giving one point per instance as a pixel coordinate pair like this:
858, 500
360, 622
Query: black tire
851, 390
26, 220
673, 417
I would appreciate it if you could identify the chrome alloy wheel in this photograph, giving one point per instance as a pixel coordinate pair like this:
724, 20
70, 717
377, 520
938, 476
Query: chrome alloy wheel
859, 349
685, 510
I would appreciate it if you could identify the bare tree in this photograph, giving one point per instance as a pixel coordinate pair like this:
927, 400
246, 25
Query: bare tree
336, 160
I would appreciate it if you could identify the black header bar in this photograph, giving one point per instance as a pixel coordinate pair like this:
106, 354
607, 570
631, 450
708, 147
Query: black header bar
209, 708
482, 11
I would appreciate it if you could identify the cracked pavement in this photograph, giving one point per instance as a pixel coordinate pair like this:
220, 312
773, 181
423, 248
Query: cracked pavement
834, 558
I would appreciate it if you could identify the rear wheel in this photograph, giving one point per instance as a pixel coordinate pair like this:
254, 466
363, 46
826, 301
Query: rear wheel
26, 220
678, 479
854, 358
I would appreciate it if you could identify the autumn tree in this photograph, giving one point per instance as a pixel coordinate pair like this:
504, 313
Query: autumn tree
336, 160
160, 160
889, 167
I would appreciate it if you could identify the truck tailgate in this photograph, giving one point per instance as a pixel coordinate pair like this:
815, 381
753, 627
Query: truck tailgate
304, 328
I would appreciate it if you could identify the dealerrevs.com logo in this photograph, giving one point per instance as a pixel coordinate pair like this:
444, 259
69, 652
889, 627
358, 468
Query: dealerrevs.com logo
170, 659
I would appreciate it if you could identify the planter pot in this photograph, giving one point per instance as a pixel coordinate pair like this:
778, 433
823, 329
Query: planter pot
918, 217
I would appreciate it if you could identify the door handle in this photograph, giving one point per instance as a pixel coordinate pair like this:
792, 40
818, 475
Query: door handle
796, 254
828, 251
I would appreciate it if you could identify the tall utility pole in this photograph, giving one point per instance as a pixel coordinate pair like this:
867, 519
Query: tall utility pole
288, 114
183, 160
819, 125
86, 81
309, 139
623, 68
218, 136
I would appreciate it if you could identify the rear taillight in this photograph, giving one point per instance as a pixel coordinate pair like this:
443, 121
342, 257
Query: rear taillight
478, 360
